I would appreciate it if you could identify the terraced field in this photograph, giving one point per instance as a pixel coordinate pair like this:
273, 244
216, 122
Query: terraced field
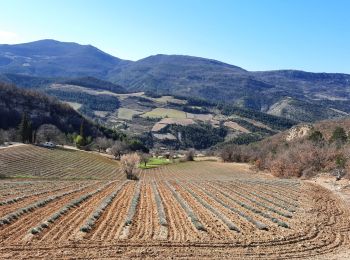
189, 210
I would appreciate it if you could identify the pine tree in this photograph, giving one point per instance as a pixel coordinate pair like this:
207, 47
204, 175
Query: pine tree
25, 129
82, 129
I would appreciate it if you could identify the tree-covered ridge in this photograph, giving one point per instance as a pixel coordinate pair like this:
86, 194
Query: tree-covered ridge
41, 109
94, 83
92, 102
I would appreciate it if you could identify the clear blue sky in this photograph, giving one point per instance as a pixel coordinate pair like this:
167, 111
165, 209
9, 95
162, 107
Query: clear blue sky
312, 35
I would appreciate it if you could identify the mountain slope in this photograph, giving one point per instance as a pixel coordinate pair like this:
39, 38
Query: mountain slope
182, 75
49, 58
327, 95
315, 95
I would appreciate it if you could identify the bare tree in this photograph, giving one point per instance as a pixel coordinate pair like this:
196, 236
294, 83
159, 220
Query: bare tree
129, 165
103, 143
12, 135
226, 154
118, 149
49, 133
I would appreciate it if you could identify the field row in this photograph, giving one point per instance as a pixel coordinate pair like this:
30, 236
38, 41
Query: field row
171, 210
214, 213
33, 161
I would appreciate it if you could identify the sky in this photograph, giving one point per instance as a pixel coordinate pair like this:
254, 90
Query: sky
310, 35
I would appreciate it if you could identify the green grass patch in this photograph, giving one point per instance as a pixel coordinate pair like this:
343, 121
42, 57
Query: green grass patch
154, 163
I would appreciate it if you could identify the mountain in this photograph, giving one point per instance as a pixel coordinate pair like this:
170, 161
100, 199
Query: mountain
298, 95
49, 58
311, 96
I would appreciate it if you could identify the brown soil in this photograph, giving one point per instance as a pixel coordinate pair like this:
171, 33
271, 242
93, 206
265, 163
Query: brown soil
319, 221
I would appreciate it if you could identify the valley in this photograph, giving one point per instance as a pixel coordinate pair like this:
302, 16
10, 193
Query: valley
175, 130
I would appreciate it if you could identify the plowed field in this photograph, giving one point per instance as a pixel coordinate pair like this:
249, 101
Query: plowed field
188, 210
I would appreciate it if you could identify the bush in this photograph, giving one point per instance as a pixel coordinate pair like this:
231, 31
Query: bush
316, 137
339, 136
129, 164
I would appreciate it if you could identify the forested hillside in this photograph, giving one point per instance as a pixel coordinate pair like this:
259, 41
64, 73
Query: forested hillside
41, 109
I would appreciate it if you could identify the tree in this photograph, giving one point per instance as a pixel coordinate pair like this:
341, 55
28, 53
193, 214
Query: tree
339, 136
25, 129
49, 133
118, 149
12, 135
144, 158
81, 137
103, 143
79, 141
82, 133
316, 137
137, 145
129, 164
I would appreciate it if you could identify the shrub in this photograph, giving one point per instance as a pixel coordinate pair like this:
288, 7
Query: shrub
129, 164
339, 136
316, 137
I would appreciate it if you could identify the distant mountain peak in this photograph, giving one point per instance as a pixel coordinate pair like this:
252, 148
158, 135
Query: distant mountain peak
51, 58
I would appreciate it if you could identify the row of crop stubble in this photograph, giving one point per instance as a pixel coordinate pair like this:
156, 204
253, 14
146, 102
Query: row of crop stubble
152, 210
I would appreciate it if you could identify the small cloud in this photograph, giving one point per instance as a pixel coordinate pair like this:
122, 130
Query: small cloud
9, 37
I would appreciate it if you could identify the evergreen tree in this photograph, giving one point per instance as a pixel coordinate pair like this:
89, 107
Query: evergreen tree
82, 129
25, 129
316, 137
339, 136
